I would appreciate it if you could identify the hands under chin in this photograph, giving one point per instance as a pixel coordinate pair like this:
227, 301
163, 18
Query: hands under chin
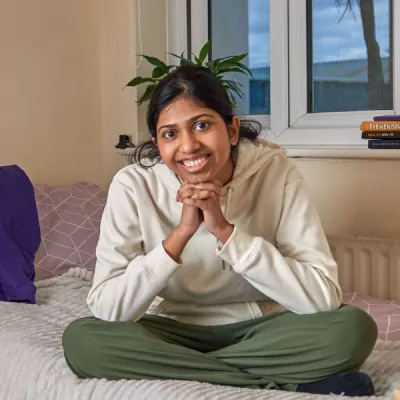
206, 197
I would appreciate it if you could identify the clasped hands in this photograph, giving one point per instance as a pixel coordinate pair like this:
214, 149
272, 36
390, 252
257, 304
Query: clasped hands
201, 203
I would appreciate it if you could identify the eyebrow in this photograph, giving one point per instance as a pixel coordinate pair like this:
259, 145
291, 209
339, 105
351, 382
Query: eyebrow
190, 120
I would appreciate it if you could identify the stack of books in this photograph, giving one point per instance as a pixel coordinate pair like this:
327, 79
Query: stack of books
383, 132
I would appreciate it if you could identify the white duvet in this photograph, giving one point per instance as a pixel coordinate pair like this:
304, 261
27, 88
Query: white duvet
32, 364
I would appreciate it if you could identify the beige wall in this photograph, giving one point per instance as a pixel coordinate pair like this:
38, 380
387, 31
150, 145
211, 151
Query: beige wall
120, 114
355, 197
119, 110
64, 65
50, 115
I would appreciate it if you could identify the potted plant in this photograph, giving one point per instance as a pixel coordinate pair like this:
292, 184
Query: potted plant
219, 67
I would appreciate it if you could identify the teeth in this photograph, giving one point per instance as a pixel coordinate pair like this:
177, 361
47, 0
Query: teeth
194, 163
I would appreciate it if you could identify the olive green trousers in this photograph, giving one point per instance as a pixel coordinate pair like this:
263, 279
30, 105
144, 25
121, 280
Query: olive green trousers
275, 351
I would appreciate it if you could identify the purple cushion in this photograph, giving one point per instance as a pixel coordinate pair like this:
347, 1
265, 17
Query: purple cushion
19, 235
69, 219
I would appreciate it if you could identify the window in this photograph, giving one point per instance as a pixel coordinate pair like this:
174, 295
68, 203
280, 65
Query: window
320, 66
343, 74
242, 26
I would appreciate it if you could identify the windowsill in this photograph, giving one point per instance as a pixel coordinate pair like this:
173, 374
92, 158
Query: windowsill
124, 152
356, 152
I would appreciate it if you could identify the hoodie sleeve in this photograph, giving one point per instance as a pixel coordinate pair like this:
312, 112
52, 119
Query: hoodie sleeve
300, 272
125, 281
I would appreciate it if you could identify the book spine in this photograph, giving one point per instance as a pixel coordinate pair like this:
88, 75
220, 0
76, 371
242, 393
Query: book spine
384, 144
380, 135
380, 126
387, 118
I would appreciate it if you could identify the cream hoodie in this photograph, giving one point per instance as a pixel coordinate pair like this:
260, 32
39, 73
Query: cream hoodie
277, 255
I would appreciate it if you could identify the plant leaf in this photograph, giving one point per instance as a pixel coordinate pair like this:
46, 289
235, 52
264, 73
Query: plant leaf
233, 59
230, 65
234, 62
204, 52
246, 68
241, 68
219, 60
175, 55
158, 72
232, 87
198, 62
229, 81
238, 57
233, 100
147, 94
180, 57
155, 61
212, 67
232, 69
185, 61
139, 80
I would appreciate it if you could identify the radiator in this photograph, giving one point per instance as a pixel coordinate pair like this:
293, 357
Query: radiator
368, 266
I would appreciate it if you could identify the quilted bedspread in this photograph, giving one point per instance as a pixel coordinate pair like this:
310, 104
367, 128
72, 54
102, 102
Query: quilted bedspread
32, 366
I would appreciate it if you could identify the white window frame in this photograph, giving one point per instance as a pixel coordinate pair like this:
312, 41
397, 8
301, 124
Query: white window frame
176, 28
335, 134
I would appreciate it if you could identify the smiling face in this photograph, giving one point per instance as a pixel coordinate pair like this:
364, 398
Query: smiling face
195, 143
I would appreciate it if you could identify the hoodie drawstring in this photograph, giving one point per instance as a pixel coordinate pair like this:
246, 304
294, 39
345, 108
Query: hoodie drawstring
228, 195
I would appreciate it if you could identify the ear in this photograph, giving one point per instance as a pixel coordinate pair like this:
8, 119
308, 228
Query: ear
234, 129
153, 139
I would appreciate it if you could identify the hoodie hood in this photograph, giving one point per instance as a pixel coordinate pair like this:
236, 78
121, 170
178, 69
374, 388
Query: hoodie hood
250, 157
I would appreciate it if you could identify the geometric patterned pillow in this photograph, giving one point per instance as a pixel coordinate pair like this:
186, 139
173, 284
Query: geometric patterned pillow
69, 220
386, 313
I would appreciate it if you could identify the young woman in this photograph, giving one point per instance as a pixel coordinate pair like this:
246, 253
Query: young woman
212, 264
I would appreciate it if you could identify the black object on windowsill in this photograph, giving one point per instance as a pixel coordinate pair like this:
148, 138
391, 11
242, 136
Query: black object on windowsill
124, 142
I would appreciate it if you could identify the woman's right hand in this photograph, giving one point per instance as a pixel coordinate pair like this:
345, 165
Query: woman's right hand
191, 219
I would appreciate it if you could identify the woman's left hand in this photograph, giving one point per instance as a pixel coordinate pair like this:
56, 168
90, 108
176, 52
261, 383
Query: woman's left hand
206, 196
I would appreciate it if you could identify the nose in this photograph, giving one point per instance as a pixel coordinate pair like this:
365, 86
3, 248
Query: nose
188, 142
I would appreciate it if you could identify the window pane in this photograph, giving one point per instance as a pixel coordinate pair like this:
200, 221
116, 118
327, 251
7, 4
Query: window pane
242, 26
343, 74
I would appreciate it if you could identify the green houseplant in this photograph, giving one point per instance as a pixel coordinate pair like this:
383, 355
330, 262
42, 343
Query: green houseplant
219, 67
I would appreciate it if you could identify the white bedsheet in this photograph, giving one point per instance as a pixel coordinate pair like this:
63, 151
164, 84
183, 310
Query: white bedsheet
32, 366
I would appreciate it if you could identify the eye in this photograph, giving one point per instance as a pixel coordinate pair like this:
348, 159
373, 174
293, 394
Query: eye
169, 134
201, 126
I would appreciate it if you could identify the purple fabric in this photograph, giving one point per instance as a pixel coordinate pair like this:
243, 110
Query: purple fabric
19, 235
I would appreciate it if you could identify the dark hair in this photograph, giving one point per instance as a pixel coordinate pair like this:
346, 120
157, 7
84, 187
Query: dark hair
201, 86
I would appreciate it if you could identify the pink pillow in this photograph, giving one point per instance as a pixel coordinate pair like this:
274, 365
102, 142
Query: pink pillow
69, 222
386, 313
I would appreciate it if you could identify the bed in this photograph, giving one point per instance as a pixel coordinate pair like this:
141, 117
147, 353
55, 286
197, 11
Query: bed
32, 364
33, 367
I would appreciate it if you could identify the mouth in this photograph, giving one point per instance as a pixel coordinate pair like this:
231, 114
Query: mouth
194, 164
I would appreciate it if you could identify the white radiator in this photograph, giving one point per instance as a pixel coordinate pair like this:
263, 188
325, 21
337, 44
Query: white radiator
369, 266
